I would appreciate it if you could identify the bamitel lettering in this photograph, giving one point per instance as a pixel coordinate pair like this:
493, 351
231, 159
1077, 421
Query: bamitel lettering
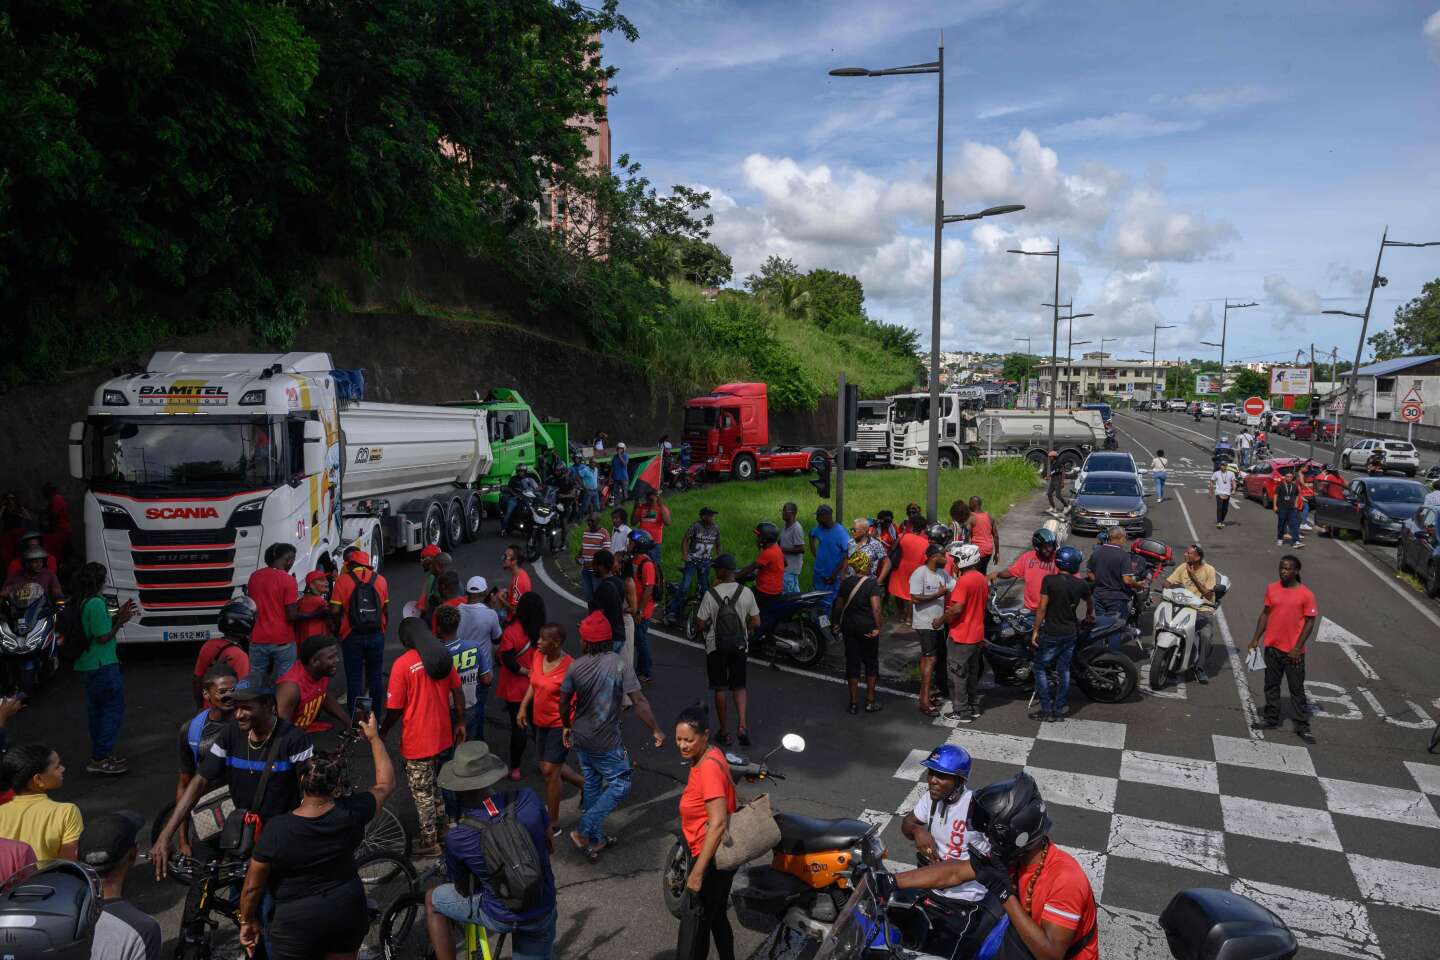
182, 513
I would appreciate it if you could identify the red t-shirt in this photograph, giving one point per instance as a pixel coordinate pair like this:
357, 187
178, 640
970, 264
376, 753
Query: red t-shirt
770, 570
709, 779
452, 602
1288, 607
312, 698
218, 648
512, 685
546, 701
519, 586
345, 585
1062, 897
273, 590
649, 521
645, 577
912, 554
305, 629
970, 593
982, 534
426, 718
1034, 571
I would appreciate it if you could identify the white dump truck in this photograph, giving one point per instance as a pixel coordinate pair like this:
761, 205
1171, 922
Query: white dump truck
194, 467
970, 432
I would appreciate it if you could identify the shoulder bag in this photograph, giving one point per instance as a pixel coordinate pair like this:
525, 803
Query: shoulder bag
752, 832
242, 827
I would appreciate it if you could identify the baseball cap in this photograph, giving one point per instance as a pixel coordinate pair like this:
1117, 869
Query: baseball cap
477, 585
726, 561
315, 575
108, 839
361, 559
430, 550
621, 445
245, 690
824, 508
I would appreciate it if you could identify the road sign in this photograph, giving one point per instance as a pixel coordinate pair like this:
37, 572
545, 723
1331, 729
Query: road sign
1254, 406
1411, 412
1412, 397
1337, 406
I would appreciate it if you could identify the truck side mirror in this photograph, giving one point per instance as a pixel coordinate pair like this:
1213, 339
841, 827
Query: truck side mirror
314, 449
77, 450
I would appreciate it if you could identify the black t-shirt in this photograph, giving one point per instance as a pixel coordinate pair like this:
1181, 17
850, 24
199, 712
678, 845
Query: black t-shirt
233, 760
1065, 592
315, 856
857, 616
1111, 564
208, 734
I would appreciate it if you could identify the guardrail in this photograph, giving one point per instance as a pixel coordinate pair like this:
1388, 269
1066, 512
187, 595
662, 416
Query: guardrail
1425, 435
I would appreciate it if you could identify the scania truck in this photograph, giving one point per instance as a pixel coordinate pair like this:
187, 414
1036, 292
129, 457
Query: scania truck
194, 467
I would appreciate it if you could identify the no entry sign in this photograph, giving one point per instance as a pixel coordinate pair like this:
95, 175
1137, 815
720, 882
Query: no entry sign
1254, 406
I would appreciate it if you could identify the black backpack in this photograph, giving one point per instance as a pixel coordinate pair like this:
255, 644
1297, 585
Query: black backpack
730, 633
70, 626
365, 605
516, 875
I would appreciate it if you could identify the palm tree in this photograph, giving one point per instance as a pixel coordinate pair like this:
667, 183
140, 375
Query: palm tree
789, 296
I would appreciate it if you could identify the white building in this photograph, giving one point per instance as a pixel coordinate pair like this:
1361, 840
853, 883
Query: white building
1097, 375
1381, 388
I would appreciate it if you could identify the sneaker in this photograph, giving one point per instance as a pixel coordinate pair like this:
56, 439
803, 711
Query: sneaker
1299, 544
1264, 725
1219, 526
968, 716
1305, 735
1306, 526
109, 767
1043, 716
1201, 677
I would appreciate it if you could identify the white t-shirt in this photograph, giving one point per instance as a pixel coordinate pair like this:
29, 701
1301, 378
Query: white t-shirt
620, 539
1224, 482
952, 839
923, 581
793, 536
1159, 464
1243, 441
709, 610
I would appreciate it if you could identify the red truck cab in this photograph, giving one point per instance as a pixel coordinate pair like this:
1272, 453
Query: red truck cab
728, 430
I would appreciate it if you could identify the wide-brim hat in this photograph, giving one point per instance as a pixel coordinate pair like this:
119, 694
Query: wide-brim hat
473, 767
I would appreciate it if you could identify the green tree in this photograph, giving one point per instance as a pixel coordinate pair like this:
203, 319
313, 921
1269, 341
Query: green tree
1246, 383
1019, 367
1416, 329
837, 300
790, 296
772, 271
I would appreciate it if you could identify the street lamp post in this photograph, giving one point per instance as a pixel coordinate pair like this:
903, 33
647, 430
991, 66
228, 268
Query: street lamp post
1224, 331
1054, 329
1070, 372
1027, 353
1376, 281
1154, 343
937, 67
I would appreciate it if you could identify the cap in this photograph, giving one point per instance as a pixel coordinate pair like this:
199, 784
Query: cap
620, 445
361, 559
726, 561
245, 690
708, 512
824, 508
429, 551
934, 550
595, 628
477, 585
316, 576
108, 839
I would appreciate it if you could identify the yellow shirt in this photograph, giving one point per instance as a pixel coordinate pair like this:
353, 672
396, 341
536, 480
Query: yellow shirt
45, 824
1198, 582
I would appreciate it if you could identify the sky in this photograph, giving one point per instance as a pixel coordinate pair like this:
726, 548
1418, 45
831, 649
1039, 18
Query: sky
1180, 154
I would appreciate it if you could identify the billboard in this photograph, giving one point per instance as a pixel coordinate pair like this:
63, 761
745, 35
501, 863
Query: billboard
1207, 383
1290, 381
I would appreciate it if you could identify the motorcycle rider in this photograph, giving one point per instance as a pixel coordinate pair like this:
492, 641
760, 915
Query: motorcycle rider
26, 539
1032, 566
1198, 577
768, 572
33, 578
1042, 889
519, 484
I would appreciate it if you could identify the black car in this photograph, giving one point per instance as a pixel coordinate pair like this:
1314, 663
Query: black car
1418, 551
1107, 499
1376, 507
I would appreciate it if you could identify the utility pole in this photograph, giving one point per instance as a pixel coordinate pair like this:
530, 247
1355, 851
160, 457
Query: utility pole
1314, 420
840, 414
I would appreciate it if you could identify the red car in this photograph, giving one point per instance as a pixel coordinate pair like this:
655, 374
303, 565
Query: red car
1261, 478
1320, 429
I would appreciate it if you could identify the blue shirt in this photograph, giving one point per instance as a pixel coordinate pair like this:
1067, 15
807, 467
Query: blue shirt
463, 853
471, 659
831, 548
620, 465
586, 473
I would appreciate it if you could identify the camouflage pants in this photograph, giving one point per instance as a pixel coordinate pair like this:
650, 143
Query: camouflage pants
429, 807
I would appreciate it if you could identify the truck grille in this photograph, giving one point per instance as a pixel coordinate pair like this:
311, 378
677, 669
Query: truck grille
185, 571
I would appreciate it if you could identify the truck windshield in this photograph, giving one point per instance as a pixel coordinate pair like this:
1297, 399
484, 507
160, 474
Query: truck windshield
910, 410
185, 452
699, 418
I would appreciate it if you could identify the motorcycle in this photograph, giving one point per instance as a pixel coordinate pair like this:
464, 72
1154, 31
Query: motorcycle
1175, 647
794, 627
1111, 443
29, 642
1151, 557
537, 524
1104, 676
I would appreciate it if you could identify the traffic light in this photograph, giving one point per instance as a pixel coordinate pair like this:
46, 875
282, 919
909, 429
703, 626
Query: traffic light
821, 482
852, 411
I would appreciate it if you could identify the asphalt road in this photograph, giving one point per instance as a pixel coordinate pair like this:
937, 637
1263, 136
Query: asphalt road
1154, 795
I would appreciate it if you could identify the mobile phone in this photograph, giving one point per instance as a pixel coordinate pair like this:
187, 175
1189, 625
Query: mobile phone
363, 707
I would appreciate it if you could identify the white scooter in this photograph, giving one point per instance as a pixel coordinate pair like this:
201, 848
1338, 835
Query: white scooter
1176, 647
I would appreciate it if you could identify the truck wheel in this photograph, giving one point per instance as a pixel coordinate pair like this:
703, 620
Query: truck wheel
474, 514
454, 524
948, 460
377, 546
1069, 461
1036, 459
743, 468
432, 533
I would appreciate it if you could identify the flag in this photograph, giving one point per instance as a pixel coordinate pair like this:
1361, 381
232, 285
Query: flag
647, 478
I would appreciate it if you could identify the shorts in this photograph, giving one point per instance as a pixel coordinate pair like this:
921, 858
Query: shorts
861, 651
726, 670
550, 743
929, 641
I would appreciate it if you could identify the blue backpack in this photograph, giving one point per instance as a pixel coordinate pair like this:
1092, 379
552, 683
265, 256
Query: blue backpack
195, 730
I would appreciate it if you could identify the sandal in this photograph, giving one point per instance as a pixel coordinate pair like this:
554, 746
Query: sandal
873, 706
853, 709
930, 710
722, 739
593, 853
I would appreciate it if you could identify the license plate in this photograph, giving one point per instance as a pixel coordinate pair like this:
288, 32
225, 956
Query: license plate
184, 636
824, 622
1108, 523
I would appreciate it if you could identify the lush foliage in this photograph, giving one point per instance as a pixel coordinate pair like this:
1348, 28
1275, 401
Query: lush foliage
1417, 327
1019, 367
1246, 383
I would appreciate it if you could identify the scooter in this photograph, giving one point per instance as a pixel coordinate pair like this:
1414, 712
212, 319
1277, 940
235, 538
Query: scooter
1104, 676
1176, 649
1151, 557
29, 642
537, 524
793, 627
1111, 443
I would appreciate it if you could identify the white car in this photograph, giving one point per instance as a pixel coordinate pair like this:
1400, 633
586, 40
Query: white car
1175, 406
1227, 411
1207, 409
1400, 455
1108, 461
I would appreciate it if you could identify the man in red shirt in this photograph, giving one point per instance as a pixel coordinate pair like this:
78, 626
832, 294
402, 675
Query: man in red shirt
965, 617
653, 517
304, 690
276, 596
1286, 624
432, 717
362, 644
1032, 566
645, 574
768, 571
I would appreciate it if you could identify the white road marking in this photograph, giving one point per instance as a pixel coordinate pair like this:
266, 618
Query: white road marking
1279, 821
878, 817
1191, 848
1130, 934
1089, 733
1427, 777
1422, 721
1318, 921
1331, 632
1083, 790
911, 769
1093, 863
1274, 757
1387, 577
1371, 800
1397, 884
911, 798
998, 747
1181, 773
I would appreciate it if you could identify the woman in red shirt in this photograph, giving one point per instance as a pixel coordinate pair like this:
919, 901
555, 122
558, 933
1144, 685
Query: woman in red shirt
982, 533
705, 808
540, 710
912, 545
517, 651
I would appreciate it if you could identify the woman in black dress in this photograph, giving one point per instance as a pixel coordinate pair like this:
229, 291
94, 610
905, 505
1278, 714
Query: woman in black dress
305, 860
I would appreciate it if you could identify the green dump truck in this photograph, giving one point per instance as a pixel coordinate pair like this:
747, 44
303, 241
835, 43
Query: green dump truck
517, 435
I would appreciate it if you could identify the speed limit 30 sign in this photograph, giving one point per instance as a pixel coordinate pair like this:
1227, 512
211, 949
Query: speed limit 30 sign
1411, 412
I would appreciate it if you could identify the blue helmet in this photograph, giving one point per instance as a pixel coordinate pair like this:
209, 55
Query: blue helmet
950, 759
1043, 539
1068, 559
641, 541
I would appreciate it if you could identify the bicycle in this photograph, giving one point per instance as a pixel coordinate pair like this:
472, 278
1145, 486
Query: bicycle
403, 935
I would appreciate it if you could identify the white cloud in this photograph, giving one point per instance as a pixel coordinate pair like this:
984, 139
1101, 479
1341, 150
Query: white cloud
1216, 101
1432, 33
1120, 126
1292, 300
1149, 230
1010, 109
815, 204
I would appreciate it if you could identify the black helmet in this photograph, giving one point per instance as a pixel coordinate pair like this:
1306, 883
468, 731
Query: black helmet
766, 533
51, 912
641, 542
237, 618
939, 534
1011, 815
1043, 539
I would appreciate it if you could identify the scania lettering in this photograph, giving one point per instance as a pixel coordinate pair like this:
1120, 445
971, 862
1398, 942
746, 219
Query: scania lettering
194, 467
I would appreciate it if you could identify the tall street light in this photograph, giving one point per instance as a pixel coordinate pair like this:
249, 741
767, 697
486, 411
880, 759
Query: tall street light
1054, 329
937, 67
1224, 330
1070, 346
1154, 342
1070, 372
1376, 281
1028, 351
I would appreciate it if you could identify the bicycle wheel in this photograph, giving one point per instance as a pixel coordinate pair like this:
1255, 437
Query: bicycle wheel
387, 879
385, 834
402, 934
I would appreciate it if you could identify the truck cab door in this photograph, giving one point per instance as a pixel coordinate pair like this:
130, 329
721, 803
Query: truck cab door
728, 431
949, 422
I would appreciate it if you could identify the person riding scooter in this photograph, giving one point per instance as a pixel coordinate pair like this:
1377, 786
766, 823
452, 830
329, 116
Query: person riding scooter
1199, 578
519, 484
32, 579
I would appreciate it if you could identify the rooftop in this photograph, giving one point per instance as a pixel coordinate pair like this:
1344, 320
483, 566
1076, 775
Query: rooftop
1386, 367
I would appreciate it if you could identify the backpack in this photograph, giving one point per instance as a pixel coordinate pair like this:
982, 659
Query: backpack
516, 875
730, 633
364, 605
657, 593
195, 730
71, 627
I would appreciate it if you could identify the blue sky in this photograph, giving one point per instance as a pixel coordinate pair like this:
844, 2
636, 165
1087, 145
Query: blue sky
1181, 153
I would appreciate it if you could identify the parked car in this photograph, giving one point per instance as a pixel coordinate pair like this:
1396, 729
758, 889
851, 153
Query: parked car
1308, 427
1227, 411
1105, 500
1175, 406
1375, 507
1400, 455
1259, 481
1291, 422
1418, 550
1207, 409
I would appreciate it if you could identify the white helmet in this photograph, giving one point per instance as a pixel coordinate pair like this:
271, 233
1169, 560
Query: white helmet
964, 554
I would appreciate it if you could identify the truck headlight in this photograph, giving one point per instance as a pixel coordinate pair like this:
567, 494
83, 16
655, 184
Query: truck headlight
114, 398
251, 506
114, 508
